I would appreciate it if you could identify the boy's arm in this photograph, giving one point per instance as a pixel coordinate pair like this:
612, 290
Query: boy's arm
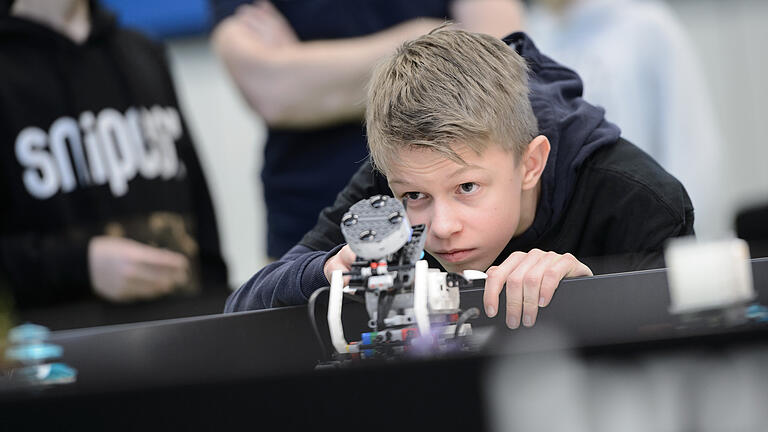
289, 281
301, 271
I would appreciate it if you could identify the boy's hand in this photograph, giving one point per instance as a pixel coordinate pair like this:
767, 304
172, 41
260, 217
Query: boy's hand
531, 279
341, 261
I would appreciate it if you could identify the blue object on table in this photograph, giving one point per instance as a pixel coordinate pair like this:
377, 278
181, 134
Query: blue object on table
33, 353
50, 373
28, 347
28, 333
757, 312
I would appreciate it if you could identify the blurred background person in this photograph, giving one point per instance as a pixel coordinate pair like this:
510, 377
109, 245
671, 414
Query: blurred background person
104, 200
302, 66
637, 62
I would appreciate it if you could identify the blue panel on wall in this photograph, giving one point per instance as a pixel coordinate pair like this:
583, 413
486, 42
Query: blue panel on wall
162, 19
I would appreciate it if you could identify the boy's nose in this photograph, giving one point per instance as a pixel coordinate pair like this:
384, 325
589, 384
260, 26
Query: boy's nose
445, 222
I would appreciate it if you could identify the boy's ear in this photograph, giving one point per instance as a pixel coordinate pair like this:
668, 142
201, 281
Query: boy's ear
534, 160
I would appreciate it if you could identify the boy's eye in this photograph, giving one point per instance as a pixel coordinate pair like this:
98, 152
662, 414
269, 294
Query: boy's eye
413, 195
468, 187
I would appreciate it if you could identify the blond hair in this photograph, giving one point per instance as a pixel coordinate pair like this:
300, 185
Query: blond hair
448, 87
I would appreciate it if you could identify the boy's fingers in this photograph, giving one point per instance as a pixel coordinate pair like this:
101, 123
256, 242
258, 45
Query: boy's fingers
342, 260
347, 256
551, 279
515, 282
578, 268
566, 266
533, 286
494, 283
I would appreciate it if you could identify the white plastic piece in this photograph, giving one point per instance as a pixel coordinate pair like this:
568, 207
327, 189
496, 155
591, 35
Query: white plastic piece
398, 320
708, 275
420, 310
334, 311
381, 282
474, 274
382, 269
440, 298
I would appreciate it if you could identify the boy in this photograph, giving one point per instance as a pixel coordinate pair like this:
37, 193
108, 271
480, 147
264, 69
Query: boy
531, 186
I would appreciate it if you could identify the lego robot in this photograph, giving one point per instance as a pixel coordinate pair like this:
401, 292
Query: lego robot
412, 309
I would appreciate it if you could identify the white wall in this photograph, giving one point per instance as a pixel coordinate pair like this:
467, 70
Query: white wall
731, 38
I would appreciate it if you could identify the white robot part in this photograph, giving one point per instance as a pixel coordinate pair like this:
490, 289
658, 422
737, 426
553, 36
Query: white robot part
403, 296
441, 298
399, 320
335, 300
474, 275
381, 282
420, 293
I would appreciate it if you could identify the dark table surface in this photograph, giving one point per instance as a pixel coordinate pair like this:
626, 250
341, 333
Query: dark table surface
254, 367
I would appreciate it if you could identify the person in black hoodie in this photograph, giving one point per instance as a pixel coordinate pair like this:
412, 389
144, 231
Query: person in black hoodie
495, 151
103, 194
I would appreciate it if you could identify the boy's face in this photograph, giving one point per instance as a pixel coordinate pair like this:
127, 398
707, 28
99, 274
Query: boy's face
471, 212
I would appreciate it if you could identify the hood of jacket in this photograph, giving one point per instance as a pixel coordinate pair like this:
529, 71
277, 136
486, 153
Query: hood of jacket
575, 129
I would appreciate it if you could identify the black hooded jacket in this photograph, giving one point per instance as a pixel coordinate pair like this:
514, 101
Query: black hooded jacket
602, 199
93, 143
